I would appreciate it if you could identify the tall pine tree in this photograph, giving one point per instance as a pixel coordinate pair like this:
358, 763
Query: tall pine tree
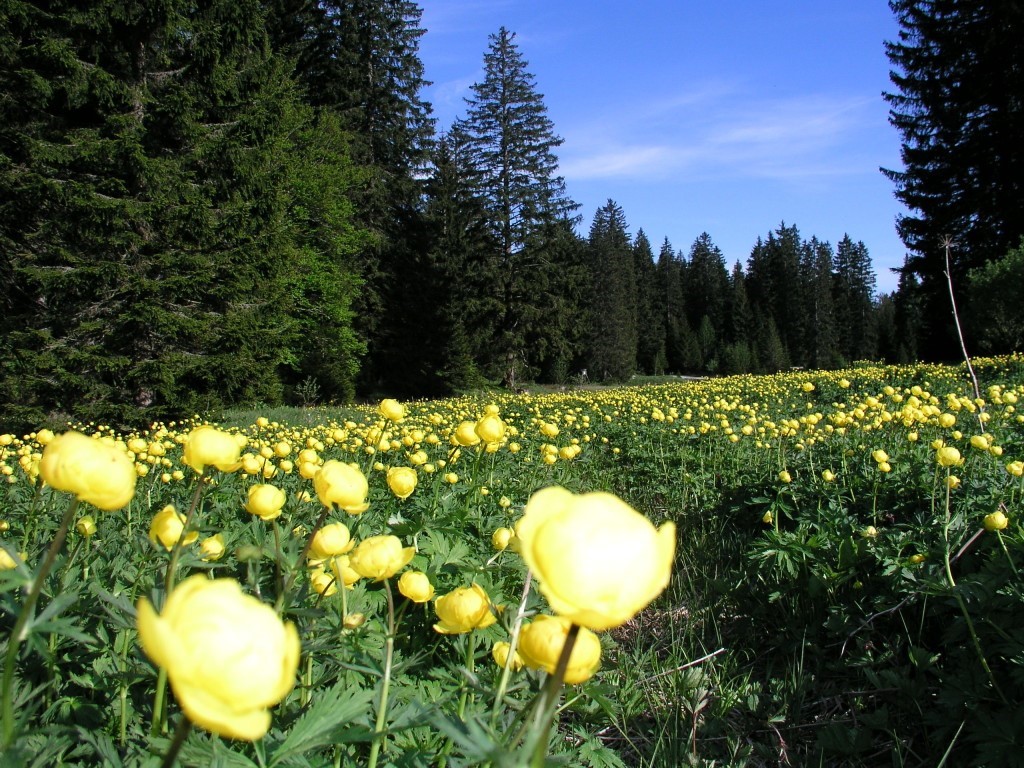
512, 141
958, 72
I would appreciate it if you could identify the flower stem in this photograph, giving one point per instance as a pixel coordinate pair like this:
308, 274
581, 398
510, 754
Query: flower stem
19, 632
512, 643
389, 654
180, 734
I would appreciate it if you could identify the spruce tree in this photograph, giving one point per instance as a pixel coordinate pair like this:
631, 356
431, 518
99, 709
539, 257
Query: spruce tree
707, 284
650, 330
958, 103
613, 327
511, 141
147, 235
854, 291
818, 344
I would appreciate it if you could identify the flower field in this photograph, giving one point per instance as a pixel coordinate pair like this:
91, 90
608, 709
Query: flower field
811, 568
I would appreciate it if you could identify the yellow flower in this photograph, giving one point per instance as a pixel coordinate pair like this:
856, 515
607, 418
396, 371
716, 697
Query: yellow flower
331, 540
1015, 468
167, 526
380, 557
499, 652
465, 434
402, 481
880, 456
996, 521
228, 657
502, 538
572, 543
490, 428
342, 484
342, 569
916, 559
541, 642
870, 532
209, 445
265, 501
416, 586
95, 471
947, 456
463, 610
828, 476
212, 548
785, 477
981, 442
391, 409
952, 482
767, 518
7, 563
323, 583
86, 526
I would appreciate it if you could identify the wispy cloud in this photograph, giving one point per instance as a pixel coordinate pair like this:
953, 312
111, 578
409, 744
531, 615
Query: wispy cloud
714, 133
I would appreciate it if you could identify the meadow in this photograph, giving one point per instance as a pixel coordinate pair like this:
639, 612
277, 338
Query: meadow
844, 585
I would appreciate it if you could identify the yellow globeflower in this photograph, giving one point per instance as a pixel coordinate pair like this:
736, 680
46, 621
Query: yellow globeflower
541, 642
880, 456
331, 540
465, 434
947, 456
95, 471
228, 657
828, 476
86, 526
212, 547
391, 409
1015, 468
785, 477
167, 526
7, 563
342, 569
265, 501
571, 542
499, 652
490, 429
502, 538
323, 583
402, 481
207, 445
996, 521
463, 610
342, 484
416, 586
380, 557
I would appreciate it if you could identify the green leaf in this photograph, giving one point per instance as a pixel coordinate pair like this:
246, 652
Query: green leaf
337, 716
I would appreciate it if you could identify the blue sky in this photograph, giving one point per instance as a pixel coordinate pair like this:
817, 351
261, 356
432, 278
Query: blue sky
719, 116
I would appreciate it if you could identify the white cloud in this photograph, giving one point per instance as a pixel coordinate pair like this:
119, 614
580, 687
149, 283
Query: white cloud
713, 132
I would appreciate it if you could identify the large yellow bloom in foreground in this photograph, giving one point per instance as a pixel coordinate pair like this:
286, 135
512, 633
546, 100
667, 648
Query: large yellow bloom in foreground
229, 658
95, 471
597, 560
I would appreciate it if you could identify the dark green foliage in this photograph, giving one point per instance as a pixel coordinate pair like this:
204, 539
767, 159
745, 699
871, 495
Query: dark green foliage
511, 141
853, 295
819, 322
149, 185
612, 344
650, 352
958, 72
997, 304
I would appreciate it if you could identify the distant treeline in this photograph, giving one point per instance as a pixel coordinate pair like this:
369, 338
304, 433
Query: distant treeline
244, 201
